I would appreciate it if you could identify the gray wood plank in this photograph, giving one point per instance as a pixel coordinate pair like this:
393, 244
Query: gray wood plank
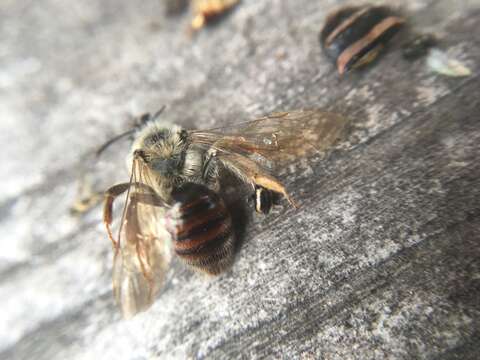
380, 261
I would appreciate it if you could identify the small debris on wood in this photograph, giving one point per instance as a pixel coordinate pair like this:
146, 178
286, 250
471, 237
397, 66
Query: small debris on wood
86, 199
208, 10
439, 62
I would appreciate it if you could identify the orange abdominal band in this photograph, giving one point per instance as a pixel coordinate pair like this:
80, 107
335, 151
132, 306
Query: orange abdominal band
358, 46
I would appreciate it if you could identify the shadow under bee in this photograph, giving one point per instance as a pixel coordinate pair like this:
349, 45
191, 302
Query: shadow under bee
239, 209
240, 203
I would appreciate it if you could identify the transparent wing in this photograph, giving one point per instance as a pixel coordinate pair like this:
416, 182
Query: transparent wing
278, 137
143, 251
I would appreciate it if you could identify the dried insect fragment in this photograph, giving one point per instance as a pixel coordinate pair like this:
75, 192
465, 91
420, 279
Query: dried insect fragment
441, 63
207, 10
418, 46
354, 36
86, 198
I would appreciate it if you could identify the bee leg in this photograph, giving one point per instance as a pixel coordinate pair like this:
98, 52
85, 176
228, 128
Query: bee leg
110, 195
210, 170
263, 200
270, 183
252, 173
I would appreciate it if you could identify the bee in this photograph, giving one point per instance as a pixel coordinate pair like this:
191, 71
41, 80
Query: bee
354, 36
173, 202
207, 10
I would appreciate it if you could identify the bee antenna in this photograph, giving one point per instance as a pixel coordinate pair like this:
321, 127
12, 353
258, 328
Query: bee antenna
111, 141
145, 118
158, 113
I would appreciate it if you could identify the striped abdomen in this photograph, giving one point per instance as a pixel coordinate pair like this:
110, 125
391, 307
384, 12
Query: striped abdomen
353, 36
201, 228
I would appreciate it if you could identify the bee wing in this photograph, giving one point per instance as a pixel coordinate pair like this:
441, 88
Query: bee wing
143, 251
278, 137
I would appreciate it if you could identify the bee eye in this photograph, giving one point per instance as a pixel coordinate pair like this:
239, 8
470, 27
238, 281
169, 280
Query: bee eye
183, 135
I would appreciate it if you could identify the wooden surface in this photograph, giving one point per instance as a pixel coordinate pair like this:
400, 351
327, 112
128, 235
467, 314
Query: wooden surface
382, 258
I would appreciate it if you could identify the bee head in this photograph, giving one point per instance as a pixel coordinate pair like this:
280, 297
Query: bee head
162, 149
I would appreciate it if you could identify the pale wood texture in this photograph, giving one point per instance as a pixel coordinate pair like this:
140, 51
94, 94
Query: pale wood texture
382, 258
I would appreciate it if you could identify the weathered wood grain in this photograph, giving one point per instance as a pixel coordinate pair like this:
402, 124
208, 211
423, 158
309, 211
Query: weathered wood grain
382, 258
